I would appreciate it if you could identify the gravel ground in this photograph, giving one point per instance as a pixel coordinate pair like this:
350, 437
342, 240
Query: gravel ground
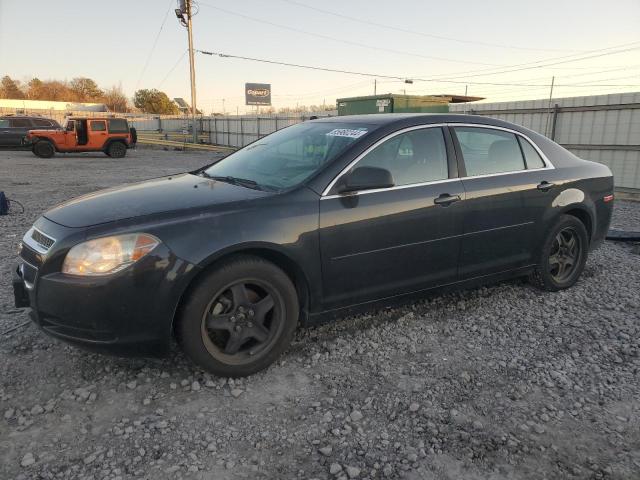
503, 382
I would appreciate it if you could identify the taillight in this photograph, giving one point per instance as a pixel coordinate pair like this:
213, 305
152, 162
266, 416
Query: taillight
608, 198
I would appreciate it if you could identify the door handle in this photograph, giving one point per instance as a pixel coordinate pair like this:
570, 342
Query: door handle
445, 199
545, 186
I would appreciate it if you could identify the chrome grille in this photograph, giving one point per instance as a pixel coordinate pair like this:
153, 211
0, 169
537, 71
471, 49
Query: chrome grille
42, 240
38, 241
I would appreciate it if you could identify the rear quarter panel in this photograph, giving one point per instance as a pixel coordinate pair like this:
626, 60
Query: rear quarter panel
581, 186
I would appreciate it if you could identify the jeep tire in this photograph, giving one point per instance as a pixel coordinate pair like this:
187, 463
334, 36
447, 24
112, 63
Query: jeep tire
116, 150
44, 149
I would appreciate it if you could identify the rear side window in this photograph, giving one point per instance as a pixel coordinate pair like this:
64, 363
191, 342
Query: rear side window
4, 123
20, 123
38, 122
98, 126
486, 151
118, 125
417, 156
531, 155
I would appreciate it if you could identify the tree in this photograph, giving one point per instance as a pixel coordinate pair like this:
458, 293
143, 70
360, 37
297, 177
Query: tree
85, 89
10, 88
56, 90
116, 100
154, 101
34, 89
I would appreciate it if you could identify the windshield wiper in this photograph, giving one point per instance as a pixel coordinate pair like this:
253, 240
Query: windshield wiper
243, 182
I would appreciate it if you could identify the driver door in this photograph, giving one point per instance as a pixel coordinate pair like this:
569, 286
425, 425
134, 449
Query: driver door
382, 242
69, 138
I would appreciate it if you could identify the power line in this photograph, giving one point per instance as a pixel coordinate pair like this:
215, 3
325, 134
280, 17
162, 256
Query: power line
368, 74
490, 71
415, 32
545, 63
173, 68
339, 40
155, 42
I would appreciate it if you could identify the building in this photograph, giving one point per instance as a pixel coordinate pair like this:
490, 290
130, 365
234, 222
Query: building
23, 106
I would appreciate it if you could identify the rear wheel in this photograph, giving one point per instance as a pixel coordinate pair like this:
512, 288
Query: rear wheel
240, 317
117, 150
563, 255
44, 149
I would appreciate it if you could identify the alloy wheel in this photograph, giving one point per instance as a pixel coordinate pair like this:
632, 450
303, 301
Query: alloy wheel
565, 254
242, 321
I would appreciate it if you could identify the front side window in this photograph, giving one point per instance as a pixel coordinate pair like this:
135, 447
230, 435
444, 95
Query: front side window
416, 156
289, 156
486, 151
42, 123
70, 126
98, 126
4, 123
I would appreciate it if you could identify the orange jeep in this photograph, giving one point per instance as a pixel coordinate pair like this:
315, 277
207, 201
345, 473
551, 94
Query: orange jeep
109, 135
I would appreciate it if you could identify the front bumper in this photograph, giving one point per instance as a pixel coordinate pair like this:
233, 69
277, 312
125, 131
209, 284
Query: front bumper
129, 313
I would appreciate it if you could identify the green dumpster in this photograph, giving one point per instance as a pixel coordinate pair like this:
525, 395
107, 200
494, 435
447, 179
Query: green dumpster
392, 103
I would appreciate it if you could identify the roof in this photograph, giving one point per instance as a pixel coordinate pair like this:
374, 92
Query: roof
441, 98
460, 98
390, 118
426, 98
181, 102
403, 120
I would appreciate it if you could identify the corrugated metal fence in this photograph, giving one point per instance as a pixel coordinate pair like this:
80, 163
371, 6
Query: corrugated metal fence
233, 131
602, 128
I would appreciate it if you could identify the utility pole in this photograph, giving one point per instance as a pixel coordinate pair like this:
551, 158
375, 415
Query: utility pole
546, 126
192, 72
185, 7
375, 86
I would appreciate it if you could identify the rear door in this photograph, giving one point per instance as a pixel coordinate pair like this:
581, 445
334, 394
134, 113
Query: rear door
18, 129
395, 240
97, 130
504, 204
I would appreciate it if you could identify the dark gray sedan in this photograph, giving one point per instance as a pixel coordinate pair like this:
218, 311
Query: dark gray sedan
315, 221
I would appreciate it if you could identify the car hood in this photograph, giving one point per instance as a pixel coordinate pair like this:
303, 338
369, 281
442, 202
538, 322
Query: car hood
161, 195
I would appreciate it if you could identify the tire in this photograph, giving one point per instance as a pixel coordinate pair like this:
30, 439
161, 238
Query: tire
239, 318
44, 149
563, 255
116, 150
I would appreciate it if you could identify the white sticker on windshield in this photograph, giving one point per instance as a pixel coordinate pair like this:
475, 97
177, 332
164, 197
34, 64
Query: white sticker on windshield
346, 132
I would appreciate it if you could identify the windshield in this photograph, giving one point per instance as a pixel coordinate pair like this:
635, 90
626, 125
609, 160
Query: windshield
288, 157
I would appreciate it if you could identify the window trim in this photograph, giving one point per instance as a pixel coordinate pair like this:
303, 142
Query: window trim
325, 192
547, 162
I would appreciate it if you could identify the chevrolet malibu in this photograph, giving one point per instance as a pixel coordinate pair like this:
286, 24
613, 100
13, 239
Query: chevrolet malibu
315, 221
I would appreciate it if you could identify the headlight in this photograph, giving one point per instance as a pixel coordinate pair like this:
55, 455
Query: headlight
103, 256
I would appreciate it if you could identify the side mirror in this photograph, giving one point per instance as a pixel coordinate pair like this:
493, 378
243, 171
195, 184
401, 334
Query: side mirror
366, 178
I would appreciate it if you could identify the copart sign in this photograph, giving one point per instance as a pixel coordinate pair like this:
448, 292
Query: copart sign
257, 93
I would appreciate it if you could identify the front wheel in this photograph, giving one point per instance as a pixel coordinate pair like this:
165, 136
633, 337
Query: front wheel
44, 149
239, 318
563, 255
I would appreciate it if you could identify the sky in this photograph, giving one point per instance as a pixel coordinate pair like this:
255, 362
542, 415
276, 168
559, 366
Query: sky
501, 50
